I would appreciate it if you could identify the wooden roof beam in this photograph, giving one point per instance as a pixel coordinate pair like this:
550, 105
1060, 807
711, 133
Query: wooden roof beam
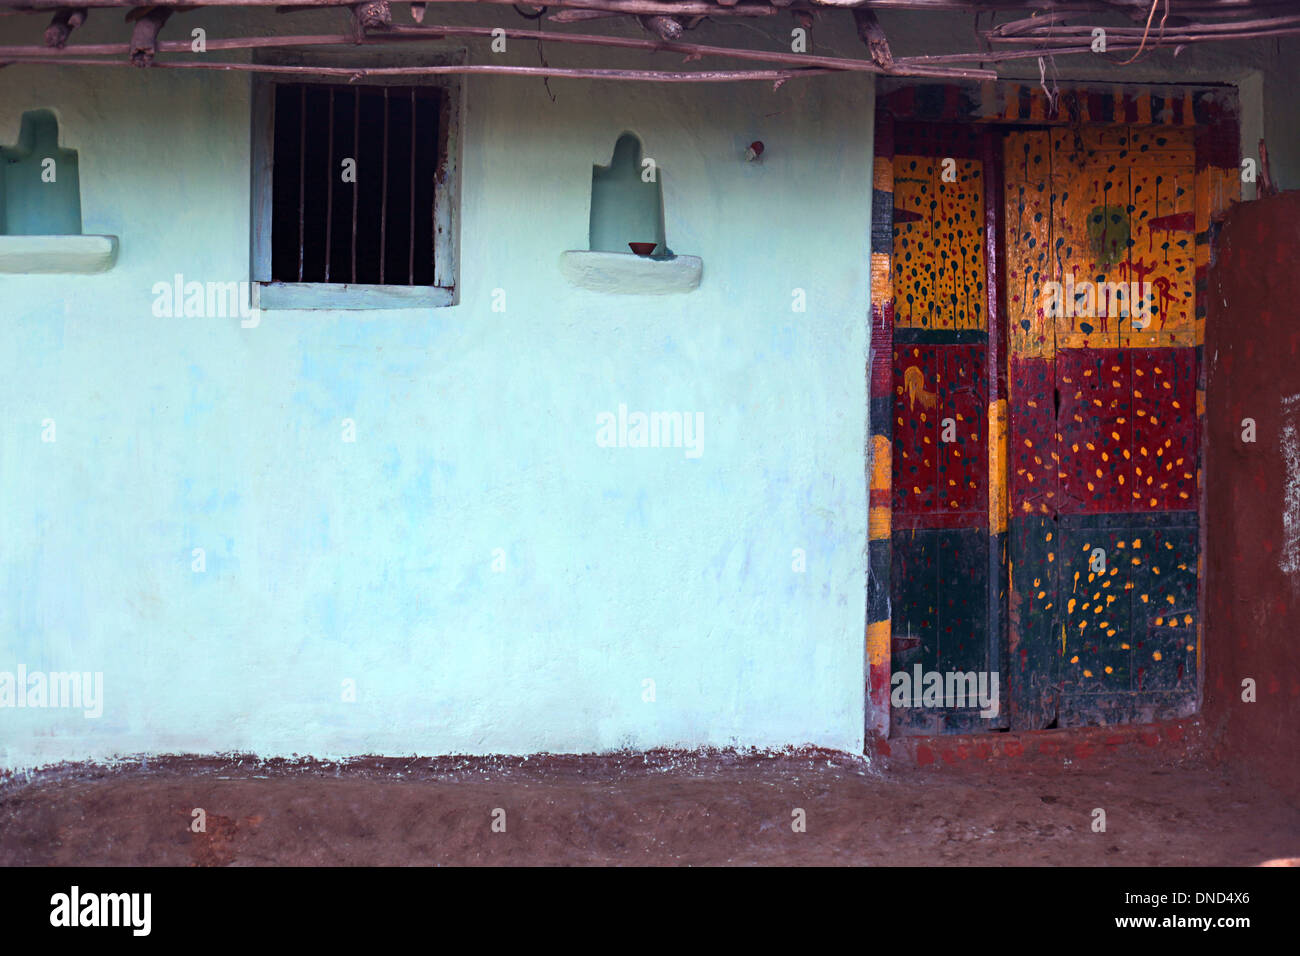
62, 25
872, 34
144, 37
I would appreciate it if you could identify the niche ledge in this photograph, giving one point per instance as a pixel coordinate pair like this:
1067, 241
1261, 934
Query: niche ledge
57, 254
623, 272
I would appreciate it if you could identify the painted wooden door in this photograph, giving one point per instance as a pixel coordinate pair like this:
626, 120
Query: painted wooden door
947, 539
1102, 397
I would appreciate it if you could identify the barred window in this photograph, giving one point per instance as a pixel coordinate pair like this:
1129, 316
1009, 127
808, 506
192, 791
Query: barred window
352, 185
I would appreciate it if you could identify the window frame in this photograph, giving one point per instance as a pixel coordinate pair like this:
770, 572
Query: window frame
273, 295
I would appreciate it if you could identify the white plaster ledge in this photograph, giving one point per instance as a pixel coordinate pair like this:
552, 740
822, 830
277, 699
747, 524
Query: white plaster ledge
57, 254
623, 272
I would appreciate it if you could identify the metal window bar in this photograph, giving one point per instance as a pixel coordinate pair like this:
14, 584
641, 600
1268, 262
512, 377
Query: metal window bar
329, 191
302, 177
410, 213
356, 158
383, 200
433, 191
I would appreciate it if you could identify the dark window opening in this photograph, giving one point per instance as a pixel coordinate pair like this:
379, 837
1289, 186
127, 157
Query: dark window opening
378, 229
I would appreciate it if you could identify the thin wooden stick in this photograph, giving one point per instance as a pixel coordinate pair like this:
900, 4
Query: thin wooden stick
358, 73
1143, 45
657, 46
1063, 31
635, 7
1043, 46
575, 16
685, 7
414, 33
1078, 6
926, 65
986, 56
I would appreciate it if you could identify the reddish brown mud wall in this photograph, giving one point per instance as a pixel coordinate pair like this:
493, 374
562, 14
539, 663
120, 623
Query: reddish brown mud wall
1252, 354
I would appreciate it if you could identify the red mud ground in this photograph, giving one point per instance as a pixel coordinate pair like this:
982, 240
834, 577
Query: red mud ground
657, 808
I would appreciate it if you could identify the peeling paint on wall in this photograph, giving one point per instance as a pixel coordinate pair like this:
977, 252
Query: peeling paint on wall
1289, 561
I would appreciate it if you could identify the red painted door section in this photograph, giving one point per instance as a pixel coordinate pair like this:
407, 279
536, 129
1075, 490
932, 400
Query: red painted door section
1104, 361
946, 568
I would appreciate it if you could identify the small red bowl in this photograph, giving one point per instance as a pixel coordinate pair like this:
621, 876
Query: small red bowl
642, 248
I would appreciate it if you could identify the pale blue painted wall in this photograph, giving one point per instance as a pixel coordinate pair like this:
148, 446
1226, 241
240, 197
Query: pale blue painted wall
475, 430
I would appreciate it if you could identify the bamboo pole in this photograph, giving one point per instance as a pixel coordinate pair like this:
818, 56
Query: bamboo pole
430, 32
360, 73
690, 49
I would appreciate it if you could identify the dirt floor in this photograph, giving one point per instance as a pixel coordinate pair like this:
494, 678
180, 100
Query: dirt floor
662, 808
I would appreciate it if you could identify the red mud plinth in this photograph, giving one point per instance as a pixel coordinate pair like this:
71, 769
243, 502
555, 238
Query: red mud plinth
1173, 743
657, 808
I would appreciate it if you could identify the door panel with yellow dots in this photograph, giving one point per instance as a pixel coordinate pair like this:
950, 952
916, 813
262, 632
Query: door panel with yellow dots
945, 571
1045, 458
1102, 418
